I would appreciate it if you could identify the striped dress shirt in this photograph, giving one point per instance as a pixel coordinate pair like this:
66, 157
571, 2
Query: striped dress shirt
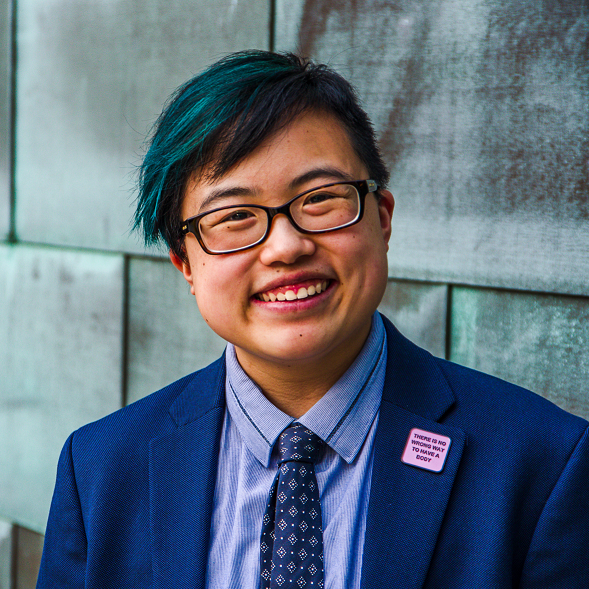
345, 418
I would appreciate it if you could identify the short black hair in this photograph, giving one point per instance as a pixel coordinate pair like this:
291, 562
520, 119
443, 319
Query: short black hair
222, 115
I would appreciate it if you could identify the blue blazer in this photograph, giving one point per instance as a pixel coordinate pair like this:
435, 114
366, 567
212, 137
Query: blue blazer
134, 492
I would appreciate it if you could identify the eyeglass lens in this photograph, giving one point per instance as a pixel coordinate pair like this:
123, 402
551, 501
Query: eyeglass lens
324, 209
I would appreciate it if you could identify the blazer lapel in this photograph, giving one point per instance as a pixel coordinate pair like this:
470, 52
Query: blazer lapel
181, 496
407, 503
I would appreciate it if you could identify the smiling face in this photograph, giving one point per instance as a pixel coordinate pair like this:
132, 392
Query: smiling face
302, 301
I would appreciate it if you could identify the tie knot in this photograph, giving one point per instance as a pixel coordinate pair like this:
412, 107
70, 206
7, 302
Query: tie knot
299, 444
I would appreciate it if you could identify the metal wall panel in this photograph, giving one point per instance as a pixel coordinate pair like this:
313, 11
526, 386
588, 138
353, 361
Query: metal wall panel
168, 338
540, 342
5, 555
482, 107
92, 79
5, 65
418, 310
60, 360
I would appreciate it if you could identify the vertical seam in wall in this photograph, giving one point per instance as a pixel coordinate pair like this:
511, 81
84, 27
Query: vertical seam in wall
271, 25
125, 330
12, 121
449, 294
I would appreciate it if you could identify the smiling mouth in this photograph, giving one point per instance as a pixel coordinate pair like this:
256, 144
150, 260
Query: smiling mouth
289, 293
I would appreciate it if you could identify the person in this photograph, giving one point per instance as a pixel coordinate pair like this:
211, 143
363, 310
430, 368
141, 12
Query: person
323, 449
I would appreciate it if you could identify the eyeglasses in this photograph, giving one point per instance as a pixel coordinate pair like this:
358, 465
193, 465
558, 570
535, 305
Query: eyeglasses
319, 210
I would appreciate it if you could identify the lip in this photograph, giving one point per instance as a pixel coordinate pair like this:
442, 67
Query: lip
297, 305
294, 282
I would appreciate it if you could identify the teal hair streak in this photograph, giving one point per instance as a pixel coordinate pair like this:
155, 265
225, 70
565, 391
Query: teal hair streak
197, 113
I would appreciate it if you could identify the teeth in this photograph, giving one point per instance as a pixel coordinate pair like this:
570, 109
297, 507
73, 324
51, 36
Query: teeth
291, 295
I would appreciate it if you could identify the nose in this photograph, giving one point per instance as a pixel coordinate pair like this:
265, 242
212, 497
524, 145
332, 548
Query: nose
285, 243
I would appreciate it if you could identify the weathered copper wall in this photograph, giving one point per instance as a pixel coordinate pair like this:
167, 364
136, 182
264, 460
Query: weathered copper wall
483, 111
482, 107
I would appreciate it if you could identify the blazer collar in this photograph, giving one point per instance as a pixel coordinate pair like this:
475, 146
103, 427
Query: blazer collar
414, 381
407, 504
204, 392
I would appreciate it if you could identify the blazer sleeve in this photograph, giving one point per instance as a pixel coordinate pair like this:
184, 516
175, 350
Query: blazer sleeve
64, 553
558, 557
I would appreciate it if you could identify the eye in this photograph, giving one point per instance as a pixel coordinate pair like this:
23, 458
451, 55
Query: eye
233, 219
235, 216
319, 197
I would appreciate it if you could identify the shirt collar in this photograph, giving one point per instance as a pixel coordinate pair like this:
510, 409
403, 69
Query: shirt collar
341, 418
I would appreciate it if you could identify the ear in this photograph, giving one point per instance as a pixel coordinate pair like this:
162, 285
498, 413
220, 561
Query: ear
386, 205
183, 267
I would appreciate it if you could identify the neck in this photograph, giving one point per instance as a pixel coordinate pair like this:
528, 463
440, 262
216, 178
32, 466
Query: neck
295, 387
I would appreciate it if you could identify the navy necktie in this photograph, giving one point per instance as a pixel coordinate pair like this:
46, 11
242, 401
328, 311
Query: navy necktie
291, 554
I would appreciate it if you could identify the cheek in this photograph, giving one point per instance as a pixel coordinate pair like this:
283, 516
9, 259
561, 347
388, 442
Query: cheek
214, 306
221, 287
362, 253
369, 265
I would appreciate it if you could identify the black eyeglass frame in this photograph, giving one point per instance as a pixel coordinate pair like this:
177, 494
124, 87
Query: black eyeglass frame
363, 187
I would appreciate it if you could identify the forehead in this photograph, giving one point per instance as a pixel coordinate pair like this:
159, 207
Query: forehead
314, 149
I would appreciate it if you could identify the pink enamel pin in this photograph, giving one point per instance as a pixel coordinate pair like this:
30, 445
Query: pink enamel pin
426, 450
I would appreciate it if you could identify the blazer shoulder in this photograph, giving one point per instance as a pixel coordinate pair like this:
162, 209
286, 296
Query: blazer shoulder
506, 406
153, 415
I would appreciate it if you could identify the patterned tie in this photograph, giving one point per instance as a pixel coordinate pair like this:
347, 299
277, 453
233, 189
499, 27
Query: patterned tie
291, 554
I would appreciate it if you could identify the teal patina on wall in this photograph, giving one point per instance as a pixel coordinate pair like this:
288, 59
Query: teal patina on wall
483, 111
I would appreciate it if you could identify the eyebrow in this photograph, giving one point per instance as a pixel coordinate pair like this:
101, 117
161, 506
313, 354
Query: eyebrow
223, 193
329, 173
